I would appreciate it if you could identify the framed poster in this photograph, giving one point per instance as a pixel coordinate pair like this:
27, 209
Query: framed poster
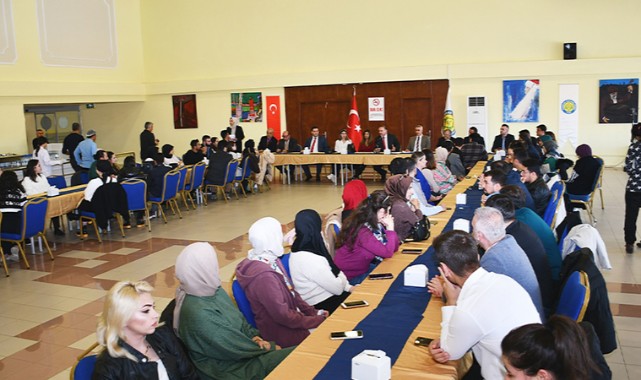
185, 111
618, 100
247, 106
521, 100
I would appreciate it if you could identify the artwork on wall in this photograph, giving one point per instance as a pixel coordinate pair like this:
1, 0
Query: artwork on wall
185, 111
247, 106
521, 100
618, 100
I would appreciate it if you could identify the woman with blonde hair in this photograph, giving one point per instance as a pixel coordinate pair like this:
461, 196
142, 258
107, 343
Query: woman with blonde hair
134, 343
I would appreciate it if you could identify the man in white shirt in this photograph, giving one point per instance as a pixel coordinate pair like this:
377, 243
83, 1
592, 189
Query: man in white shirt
420, 142
481, 307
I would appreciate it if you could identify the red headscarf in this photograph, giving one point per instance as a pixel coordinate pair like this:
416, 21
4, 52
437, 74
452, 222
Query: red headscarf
354, 193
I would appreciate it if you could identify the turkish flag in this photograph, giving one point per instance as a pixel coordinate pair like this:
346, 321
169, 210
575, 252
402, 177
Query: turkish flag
354, 124
273, 114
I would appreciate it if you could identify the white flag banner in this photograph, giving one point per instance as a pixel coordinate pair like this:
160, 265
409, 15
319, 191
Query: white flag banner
568, 135
376, 108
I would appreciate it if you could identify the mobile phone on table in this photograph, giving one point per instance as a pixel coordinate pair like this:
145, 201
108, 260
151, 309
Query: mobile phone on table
421, 341
353, 304
380, 276
353, 334
412, 251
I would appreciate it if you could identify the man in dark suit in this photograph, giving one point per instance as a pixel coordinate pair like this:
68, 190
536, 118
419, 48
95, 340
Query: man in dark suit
287, 144
385, 141
147, 142
503, 140
419, 142
316, 144
236, 133
268, 141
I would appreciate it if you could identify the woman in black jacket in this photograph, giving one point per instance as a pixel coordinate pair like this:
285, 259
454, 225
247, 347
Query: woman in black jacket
12, 198
134, 346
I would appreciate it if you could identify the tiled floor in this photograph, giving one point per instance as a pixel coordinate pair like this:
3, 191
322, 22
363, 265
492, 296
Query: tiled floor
48, 313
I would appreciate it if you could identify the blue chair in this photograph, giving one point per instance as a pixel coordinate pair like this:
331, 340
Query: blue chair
32, 224
88, 216
556, 201
169, 194
57, 181
84, 177
230, 174
195, 184
574, 296
238, 179
284, 259
588, 199
181, 183
136, 190
83, 369
243, 303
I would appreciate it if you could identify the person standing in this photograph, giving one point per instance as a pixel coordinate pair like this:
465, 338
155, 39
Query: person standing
70, 144
147, 141
42, 154
39, 133
632, 189
85, 151
236, 134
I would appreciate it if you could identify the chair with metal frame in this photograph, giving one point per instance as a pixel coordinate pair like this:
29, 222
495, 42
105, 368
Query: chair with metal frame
575, 296
195, 183
90, 218
556, 202
230, 174
587, 200
181, 184
246, 173
136, 190
83, 369
32, 224
169, 194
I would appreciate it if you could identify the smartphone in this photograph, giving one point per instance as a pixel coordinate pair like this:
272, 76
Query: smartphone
354, 334
412, 251
421, 341
380, 276
353, 304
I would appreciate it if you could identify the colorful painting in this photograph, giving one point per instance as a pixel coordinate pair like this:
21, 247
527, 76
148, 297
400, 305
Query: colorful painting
185, 111
247, 106
618, 100
521, 101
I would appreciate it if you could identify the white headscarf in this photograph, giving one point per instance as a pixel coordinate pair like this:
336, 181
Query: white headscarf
197, 271
440, 154
266, 238
233, 127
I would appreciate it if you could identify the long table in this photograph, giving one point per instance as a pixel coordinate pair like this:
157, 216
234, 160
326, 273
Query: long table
63, 203
414, 362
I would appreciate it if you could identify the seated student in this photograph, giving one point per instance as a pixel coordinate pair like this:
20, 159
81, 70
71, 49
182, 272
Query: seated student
512, 174
453, 161
218, 164
171, 159
281, 314
113, 160
532, 178
367, 237
195, 154
156, 177
492, 181
471, 153
550, 157
34, 182
130, 170
220, 342
134, 346
12, 198
543, 231
100, 155
558, 349
103, 196
316, 278
532, 150
585, 171
420, 164
250, 152
354, 192
425, 207
405, 209
531, 244
442, 174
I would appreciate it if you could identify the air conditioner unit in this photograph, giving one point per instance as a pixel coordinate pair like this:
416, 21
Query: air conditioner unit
477, 114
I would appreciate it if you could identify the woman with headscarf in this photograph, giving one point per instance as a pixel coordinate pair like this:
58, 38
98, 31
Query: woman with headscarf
316, 278
171, 159
405, 209
442, 174
367, 237
236, 134
281, 314
220, 342
551, 154
353, 194
585, 171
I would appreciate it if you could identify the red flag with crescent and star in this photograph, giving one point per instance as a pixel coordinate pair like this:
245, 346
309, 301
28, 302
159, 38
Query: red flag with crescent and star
273, 114
354, 124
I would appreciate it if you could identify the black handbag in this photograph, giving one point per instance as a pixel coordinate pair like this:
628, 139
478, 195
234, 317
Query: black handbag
420, 230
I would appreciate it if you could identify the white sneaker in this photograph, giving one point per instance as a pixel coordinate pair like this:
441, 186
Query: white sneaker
12, 257
332, 178
15, 250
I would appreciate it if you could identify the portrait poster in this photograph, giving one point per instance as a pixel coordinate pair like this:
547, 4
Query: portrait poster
618, 100
521, 101
185, 111
247, 106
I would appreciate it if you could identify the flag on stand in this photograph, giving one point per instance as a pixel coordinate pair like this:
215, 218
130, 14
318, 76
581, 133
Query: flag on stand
354, 124
448, 115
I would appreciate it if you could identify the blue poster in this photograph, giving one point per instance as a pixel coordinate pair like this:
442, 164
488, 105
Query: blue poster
521, 101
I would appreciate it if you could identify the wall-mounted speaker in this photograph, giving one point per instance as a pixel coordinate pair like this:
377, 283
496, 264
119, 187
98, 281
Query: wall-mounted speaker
569, 50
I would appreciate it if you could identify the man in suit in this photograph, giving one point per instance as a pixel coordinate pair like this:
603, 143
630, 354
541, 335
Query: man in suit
236, 133
316, 144
268, 141
287, 144
419, 142
147, 142
474, 136
503, 140
385, 141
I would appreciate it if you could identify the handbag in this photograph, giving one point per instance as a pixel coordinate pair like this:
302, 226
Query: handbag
420, 230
